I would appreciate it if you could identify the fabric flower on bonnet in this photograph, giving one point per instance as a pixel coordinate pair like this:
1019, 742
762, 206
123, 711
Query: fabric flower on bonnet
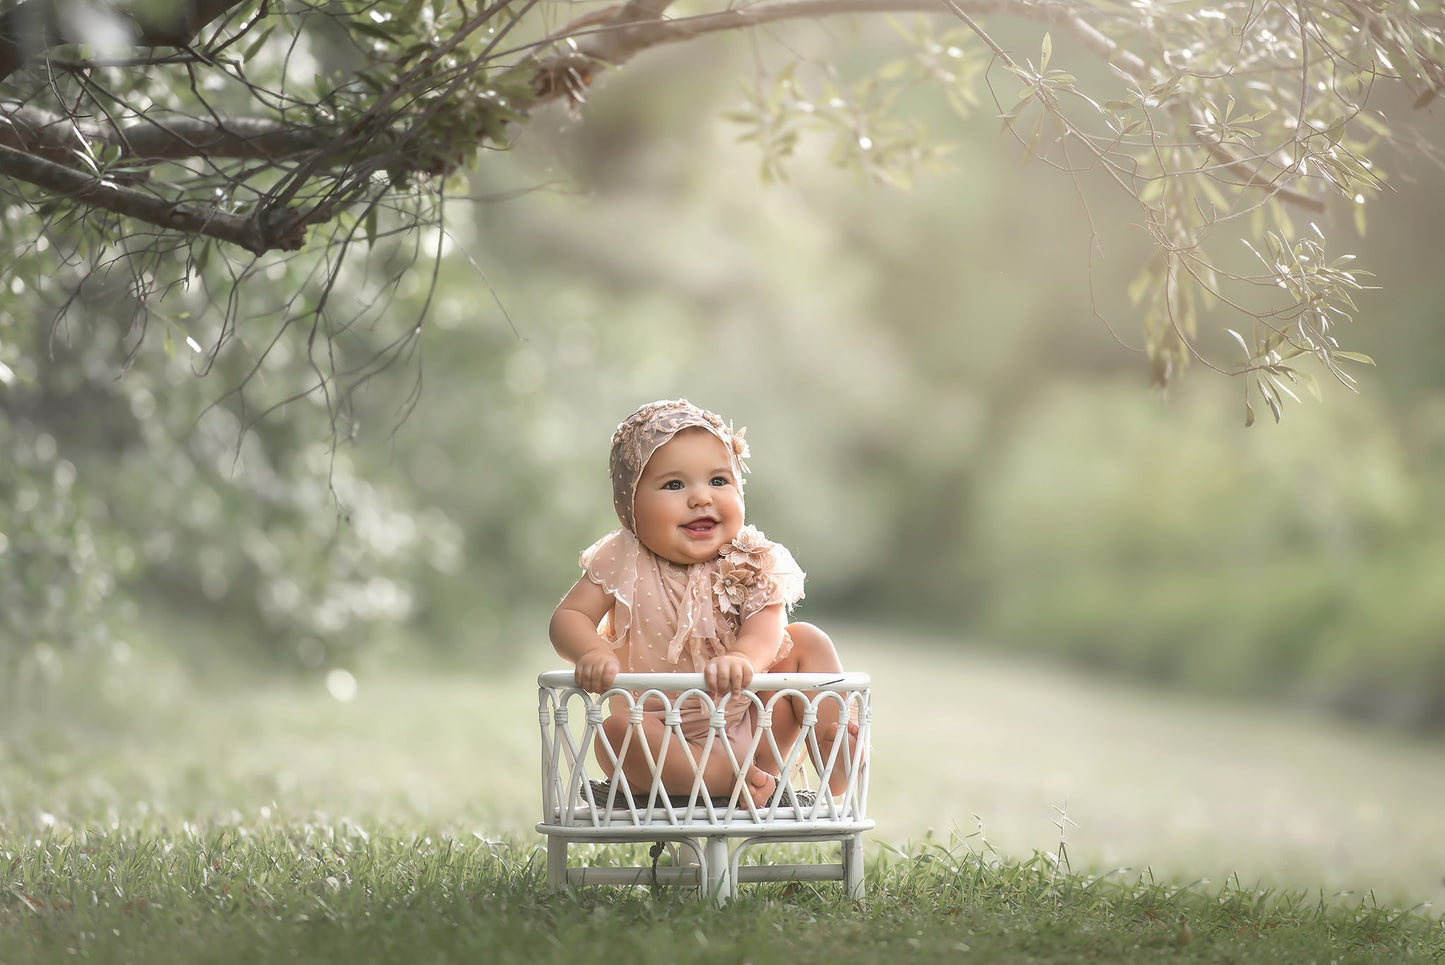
740, 449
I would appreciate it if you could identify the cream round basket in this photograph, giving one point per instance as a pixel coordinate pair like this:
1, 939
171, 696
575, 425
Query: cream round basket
709, 834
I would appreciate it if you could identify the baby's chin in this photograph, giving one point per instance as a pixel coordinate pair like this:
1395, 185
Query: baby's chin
701, 556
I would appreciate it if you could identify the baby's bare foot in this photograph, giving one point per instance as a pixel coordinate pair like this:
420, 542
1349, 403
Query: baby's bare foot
761, 786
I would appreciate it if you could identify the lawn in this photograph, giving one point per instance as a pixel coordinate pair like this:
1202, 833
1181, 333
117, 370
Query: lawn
163, 822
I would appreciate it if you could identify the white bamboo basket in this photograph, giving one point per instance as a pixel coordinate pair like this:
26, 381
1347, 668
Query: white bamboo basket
709, 834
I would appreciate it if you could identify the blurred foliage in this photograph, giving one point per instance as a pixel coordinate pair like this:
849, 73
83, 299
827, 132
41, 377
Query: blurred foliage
944, 430
56, 579
135, 472
1153, 543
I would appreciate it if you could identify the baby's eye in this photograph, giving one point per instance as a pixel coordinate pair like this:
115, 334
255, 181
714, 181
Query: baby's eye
672, 484
721, 481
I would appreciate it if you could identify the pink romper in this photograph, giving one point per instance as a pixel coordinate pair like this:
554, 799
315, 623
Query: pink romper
673, 618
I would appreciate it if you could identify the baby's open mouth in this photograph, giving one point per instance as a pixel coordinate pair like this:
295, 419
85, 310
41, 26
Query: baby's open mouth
701, 526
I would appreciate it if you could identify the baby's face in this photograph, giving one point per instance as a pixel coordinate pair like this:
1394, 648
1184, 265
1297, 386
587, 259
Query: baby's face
688, 503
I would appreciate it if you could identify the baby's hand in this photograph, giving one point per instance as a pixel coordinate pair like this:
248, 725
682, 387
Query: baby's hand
596, 669
729, 673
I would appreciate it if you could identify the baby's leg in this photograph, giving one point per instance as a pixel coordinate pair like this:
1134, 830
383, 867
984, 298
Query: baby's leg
813, 652
679, 767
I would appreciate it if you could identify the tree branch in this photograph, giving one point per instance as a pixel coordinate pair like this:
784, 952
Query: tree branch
49, 149
255, 235
56, 137
628, 32
616, 40
1135, 68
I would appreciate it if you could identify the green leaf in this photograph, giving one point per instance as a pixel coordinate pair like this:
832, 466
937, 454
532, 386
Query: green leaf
1354, 357
1141, 283
254, 47
1048, 51
1269, 399
1010, 116
1031, 147
895, 69
364, 25
902, 30
410, 13
1310, 383
89, 161
1278, 383
1166, 87
783, 82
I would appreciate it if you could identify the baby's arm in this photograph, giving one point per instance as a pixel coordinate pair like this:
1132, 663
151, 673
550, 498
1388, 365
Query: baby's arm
574, 635
754, 650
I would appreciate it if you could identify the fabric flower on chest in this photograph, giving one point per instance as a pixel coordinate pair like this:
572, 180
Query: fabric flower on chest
749, 548
743, 565
731, 584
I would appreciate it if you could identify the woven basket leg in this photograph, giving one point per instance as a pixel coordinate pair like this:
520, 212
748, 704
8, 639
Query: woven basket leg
556, 861
716, 883
853, 866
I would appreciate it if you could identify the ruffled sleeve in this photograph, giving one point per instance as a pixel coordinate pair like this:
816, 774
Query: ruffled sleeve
611, 563
605, 561
781, 581
763, 573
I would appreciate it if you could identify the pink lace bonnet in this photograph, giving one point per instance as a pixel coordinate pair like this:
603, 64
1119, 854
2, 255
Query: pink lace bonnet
646, 430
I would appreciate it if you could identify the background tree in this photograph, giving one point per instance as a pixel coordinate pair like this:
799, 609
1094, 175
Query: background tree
150, 134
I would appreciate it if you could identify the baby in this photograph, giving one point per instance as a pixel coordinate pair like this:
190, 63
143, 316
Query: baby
685, 586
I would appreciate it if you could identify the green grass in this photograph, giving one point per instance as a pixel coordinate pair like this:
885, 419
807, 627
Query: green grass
329, 893
161, 820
